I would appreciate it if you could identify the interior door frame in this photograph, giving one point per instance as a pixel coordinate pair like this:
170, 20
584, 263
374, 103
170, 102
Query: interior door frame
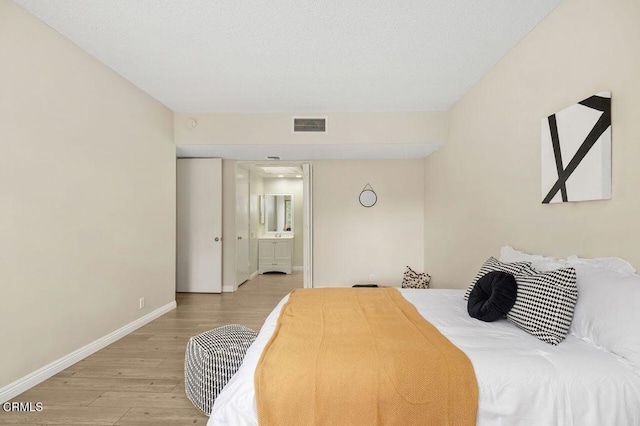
307, 223
307, 210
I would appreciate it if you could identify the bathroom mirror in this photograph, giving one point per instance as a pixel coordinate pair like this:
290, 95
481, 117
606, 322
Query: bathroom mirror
278, 212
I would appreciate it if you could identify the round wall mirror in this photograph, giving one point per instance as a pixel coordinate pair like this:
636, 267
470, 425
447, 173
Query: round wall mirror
368, 198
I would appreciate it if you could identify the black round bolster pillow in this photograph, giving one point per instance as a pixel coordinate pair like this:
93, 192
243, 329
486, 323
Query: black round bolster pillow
493, 296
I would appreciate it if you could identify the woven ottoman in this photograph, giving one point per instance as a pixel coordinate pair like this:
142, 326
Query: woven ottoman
211, 359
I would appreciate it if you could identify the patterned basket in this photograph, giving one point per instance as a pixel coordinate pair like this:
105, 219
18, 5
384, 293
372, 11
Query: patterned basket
211, 359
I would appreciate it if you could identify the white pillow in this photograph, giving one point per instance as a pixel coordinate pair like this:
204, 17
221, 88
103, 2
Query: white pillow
550, 263
541, 263
612, 263
608, 311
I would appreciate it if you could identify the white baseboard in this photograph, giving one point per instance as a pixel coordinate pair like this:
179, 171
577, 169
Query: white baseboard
228, 288
30, 380
298, 268
253, 275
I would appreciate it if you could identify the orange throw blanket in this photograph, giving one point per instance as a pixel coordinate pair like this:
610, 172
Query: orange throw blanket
361, 356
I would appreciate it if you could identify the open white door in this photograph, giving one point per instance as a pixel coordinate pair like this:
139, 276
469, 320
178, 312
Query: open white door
242, 225
199, 225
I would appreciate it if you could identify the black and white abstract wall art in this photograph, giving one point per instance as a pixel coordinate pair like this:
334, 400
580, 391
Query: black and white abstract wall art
576, 152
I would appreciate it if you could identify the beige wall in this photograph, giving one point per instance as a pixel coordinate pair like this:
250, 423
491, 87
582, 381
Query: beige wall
291, 186
350, 241
482, 189
87, 217
276, 128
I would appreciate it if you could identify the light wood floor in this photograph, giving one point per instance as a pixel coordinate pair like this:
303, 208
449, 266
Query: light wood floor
139, 380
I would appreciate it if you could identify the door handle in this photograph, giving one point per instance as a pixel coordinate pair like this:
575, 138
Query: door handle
216, 239
239, 237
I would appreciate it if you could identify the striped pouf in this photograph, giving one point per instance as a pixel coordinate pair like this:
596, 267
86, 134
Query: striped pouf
211, 359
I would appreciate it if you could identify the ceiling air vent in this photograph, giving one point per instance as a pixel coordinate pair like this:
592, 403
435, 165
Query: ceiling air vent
313, 125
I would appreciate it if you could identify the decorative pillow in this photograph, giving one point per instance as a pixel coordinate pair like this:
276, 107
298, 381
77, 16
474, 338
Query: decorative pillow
413, 279
493, 296
493, 264
545, 303
538, 261
608, 311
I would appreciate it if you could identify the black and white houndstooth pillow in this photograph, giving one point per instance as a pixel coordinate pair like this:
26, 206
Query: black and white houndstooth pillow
545, 302
493, 264
413, 279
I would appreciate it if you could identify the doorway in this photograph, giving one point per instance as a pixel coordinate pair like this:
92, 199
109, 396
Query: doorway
273, 223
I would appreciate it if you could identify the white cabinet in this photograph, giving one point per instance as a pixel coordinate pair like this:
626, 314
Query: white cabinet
274, 255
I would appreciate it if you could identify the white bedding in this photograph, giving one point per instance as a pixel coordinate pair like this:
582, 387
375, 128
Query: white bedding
522, 381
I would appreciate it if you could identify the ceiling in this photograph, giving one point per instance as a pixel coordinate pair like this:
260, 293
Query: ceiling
297, 55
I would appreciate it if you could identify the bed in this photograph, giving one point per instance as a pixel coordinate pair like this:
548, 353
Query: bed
521, 380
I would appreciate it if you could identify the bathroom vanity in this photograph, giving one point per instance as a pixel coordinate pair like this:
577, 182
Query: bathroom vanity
275, 254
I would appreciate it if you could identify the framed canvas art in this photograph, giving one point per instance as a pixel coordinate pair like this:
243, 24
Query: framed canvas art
576, 152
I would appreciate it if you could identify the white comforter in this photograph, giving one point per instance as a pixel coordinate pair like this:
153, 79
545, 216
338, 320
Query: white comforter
522, 381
